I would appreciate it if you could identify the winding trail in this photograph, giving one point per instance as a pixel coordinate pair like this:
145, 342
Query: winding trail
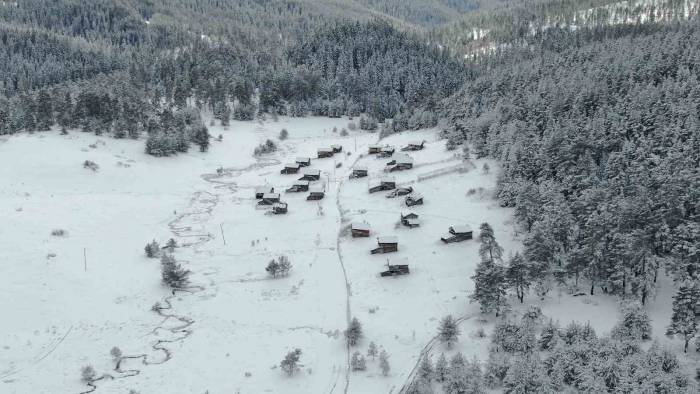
184, 227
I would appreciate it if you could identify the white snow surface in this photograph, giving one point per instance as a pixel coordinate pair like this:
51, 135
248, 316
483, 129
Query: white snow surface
231, 330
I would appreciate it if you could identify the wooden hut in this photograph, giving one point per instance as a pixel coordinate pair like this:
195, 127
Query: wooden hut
413, 146
458, 234
387, 244
401, 163
279, 208
414, 199
400, 191
383, 184
290, 168
299, 186
387, 151
395, 270
359, 172
269, 199
316, 194
261, 190
337, 148
410, 220
303, 161
374, 149
325, 152
310, 174
359, 230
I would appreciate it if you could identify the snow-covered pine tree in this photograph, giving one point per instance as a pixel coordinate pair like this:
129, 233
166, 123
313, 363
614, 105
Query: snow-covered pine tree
384, 362
549, 336
425, 370
684, 319
448, 332
354, 332
358, 362
152, 249
634, 324
172, 272
290, 363
372, 350
518, 275
441, 368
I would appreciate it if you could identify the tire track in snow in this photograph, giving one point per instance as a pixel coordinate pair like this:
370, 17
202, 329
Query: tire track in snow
201, 206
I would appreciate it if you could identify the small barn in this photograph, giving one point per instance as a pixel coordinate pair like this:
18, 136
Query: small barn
414, 145
402, 163
337, 148
299, 186
410, 220
261, 190
303, 161
458, 234
395, 270
414, 199
387, 244
325, 152
383, 184
310, 174
269, 199
359, 230
387, 151
359, 172
279, 208
374, 149
290, 168
400, 191
316, 194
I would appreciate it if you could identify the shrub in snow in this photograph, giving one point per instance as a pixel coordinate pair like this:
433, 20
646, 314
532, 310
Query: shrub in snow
357, 362
549, 336
576, 332
284, 134
352, 126
343, 132
279, 267
172, 273
116, 354
448, 331
267, 147
171, 245
87, 373
354, 332
384, 362
152, 249
59, 232
486, 168
633, 325
91, 165
290, 363
244, 112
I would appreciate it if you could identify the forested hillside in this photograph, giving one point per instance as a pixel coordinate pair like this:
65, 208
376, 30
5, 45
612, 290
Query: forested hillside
598, 134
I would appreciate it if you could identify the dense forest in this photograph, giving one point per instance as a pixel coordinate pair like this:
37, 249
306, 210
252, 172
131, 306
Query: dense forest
597, 130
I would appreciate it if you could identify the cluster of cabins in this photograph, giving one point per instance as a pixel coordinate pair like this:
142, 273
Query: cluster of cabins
390, 244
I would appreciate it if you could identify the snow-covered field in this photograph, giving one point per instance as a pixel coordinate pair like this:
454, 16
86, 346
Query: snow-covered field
67, 300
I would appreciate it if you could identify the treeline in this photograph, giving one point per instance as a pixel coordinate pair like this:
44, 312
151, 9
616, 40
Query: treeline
597, 131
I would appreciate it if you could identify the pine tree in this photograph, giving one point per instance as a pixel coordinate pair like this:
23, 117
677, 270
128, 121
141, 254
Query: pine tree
633, 325
518, 275
549, 336
172, 272
354, 332
684, 320
448, 332
152, 249
358, 362
441, 368
425, 370
372, 350
384, 362
290, 363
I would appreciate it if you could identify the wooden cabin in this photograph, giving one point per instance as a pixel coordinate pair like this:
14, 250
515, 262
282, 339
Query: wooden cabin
458, 234
414, 199
413, 146
325, 152
374, 149
299, 186
279, 208
359, 172
402, 163
395, 270
386, 245
337, 148
261, 190
410, 220
400, 191
316, 194
303, 161
269, 199
383, 184
387, 151
290, 168
359, 230
310, 175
